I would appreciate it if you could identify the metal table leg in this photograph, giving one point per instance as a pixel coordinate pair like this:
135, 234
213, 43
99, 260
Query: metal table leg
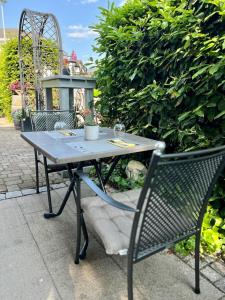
102, 183
81, 253
75, 183
114, 164
70, 189
99, 175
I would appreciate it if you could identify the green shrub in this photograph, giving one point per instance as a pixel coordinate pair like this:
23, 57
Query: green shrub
118, 179
162, 73
9, 71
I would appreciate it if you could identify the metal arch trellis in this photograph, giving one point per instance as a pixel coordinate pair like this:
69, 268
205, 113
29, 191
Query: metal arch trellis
40, 52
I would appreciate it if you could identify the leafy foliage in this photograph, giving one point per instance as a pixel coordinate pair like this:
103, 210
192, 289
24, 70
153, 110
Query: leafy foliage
162, 72
9, 71
118, 179
212, 240
19, 114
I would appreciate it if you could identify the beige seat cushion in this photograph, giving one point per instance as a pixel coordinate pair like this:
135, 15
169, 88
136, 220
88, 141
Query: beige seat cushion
113, 225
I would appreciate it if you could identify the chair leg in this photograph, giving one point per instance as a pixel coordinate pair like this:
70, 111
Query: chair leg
36, 171
130, 277
77, 254
197, 250
48, 185
79, 212
86, 240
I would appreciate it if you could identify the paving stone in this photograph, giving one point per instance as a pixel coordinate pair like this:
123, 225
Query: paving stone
28, 192
3, 188
27, 171
43, 189
88, 280
54, 234
220, 284
26, 177
10, 216
190, 260
26, 185
13, 181
97, 271
13, 194
58, 185
5, 172
219, 266
38, 202
211, 274
186, 259
12, 188
31, 203
15, 173
2, 196
17, 163
209, 259
23, 272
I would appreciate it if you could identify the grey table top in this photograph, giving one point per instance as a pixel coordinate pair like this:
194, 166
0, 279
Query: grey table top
66, 149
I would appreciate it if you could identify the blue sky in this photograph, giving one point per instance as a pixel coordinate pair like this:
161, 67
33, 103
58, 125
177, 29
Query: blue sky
74, 17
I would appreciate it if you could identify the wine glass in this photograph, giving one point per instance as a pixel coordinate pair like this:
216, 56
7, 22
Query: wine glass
119, 130
60, 126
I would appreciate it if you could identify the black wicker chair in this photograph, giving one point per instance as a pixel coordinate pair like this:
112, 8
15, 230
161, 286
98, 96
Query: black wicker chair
169, 208
43, 121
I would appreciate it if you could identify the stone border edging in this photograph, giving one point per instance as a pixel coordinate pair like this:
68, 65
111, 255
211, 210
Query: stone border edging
212, 269
26, 192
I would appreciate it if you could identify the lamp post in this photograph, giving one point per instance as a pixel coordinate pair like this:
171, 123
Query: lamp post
3, 20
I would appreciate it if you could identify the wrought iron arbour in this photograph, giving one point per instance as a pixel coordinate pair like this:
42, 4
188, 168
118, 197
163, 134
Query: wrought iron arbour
40, 52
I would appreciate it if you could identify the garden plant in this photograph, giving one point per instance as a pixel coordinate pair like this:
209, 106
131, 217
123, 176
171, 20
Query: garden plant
10, 73
162, 72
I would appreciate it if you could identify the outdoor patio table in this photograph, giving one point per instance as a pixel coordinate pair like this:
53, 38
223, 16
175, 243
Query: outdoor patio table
62, 149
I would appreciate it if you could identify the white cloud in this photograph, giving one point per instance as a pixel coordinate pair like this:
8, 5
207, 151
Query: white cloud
81, 32
122, 2
88, 1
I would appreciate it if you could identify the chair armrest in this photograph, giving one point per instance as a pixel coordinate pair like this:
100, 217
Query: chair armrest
105, 197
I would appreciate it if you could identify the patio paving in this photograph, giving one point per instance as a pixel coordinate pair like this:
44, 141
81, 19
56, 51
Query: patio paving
36, 261
17, 170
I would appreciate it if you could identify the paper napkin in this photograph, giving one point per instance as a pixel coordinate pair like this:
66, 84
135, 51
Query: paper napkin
121, 143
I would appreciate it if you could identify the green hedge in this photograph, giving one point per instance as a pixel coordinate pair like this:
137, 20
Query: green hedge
162, 73
9, 71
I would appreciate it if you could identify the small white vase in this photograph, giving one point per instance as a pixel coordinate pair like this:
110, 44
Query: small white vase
91, 132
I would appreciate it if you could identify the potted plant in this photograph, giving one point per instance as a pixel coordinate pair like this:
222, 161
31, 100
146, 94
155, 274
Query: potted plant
17, 118
91, 127
16, 89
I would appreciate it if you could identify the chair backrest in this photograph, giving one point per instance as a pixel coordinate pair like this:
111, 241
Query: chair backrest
45, 120
174, 199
